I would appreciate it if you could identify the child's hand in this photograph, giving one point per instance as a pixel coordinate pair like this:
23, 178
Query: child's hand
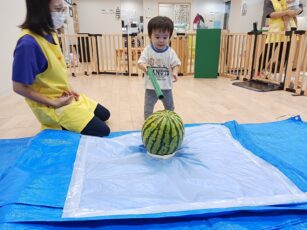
175, 71
175, 77
291, 13
143, 66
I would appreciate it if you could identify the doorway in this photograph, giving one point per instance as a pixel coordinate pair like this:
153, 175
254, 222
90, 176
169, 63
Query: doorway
226, 16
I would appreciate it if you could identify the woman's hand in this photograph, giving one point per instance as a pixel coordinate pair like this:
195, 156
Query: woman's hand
28, 92
73, 93
61, 101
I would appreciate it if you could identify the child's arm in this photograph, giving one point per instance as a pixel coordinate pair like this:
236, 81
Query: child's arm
175, 71
289, 1
175, 64
143, 61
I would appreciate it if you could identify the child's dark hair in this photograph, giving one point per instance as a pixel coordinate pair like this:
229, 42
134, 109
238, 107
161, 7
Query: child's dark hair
160, 23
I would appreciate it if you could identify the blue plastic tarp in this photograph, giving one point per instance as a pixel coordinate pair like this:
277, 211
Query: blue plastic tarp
282, 144
39, 171
41, 175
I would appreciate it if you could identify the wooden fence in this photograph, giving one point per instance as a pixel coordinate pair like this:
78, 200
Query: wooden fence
235, 53
275, 58
296, 75
118, 54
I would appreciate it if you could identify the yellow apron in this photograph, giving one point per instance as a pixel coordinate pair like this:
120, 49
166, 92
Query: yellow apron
277, 24
52, 83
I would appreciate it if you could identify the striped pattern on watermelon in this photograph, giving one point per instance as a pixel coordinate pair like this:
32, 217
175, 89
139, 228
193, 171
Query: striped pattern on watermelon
162, 132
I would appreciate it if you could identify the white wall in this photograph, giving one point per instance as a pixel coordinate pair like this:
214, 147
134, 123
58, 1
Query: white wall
151, 9
12, 14
304, 14
131, 10
239, 23
209, 9
95, 16
92, 20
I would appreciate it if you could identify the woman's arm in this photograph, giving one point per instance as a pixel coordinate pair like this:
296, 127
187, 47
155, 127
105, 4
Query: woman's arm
26, 91
290, 13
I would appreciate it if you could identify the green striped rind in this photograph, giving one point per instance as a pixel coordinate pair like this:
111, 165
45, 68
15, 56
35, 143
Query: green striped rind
163, 132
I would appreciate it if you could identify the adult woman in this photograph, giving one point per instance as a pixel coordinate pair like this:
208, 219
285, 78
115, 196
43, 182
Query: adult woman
276, 11
40, 75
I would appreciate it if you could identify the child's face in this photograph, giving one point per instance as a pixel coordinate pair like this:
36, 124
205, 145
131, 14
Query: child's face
160, 39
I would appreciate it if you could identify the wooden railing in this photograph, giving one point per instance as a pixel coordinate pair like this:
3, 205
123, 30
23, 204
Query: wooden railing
296, 76
275, 58
118, 54
235, 54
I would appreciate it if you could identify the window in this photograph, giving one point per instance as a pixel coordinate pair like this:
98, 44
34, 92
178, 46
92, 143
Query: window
179, 13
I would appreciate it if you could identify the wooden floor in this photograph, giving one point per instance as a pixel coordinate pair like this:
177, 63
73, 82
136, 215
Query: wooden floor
196, 101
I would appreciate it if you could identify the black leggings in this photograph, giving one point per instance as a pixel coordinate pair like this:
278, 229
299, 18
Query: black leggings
97, 126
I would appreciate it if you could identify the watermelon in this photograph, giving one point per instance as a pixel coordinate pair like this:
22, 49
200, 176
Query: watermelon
162, 133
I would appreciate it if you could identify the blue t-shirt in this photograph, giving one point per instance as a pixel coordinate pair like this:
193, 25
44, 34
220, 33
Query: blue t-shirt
29, 60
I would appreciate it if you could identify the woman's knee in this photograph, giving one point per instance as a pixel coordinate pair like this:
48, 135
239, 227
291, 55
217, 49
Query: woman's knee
107, 114
102, 112
106, 131
96, 127
97, 132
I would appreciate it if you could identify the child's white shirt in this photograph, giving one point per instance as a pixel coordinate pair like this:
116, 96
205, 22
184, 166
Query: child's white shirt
294, 3
162, 64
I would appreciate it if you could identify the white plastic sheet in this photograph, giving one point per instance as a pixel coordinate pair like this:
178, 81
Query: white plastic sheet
210, 170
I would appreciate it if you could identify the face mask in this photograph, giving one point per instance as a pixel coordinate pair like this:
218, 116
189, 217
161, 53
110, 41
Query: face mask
57, 19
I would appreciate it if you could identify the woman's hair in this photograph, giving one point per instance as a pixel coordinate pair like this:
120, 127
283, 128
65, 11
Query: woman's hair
160, 23
38, 18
